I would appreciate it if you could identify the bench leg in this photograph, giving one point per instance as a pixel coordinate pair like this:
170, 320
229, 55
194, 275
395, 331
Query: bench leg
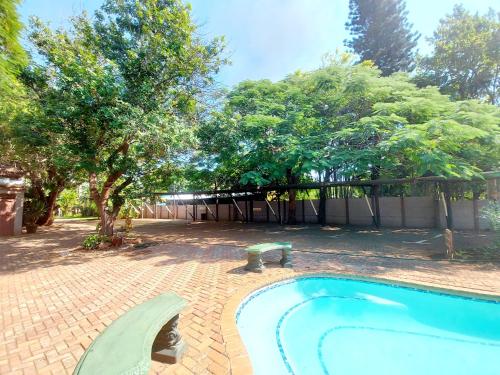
169, 345
286, 259
255, 263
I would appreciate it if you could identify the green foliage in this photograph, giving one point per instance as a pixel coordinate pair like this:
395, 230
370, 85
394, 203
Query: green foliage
92, 241
346, 122
12, 60
36, 135
67, 200
492, 214
381, 33
32, 210
12, 55
128, 84
465, 62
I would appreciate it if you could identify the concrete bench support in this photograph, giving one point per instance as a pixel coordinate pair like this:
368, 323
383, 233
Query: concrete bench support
146, 331
255, 263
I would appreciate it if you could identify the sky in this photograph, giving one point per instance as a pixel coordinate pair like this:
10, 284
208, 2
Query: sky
268, 39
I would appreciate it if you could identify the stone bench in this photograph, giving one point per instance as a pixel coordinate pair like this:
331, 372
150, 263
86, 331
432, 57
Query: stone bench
255, 252
126, 346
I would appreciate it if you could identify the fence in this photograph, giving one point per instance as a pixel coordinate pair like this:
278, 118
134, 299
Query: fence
452, 203
409, 212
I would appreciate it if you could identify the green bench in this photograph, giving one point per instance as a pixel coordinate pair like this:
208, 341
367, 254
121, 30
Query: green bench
126, 346
255, 252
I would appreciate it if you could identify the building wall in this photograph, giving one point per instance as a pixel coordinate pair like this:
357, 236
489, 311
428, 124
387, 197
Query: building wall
11, 211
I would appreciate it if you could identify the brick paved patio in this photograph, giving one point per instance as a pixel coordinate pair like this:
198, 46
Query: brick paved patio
54, 300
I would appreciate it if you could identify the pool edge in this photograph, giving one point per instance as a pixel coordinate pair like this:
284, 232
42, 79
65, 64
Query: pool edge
239, 359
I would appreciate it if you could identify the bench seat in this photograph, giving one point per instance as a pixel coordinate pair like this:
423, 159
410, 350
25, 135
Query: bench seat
125, 346
255, 252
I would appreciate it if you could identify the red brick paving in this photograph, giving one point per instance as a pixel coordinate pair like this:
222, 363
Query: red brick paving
55, 301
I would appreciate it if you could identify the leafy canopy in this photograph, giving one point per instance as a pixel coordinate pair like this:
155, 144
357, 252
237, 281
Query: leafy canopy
128, 83
465, 62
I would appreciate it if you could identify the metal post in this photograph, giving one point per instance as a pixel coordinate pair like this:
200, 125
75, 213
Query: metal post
239, 210
209, 210
217, 209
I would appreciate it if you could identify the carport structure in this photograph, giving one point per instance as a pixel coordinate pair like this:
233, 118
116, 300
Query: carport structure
420, 202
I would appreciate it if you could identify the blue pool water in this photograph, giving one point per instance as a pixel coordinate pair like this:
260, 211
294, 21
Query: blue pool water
325, 325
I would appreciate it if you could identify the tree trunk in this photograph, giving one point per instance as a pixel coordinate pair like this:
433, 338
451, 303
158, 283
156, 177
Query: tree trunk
47, 217
106, 220
292, 201
322, 199
107, 216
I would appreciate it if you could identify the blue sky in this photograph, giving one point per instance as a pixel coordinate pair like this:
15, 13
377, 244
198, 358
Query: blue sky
270, 38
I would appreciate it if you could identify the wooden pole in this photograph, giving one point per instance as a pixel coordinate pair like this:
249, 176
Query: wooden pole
246, 208
217, 209
279, 209
403, 211
322, 206
303, 211
448, 241
376, 196
448, 209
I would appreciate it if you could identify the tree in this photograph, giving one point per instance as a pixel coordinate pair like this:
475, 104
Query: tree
345, 122
129, 82
465, 62
37, 136
381, 33
262, 135
12, 55
441, 137
12, 60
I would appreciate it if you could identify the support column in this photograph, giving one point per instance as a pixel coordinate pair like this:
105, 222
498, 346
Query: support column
322, 206
376, 203
217, 209
447, 197
279, 210
251, 210
303, 211
403, 211
169, 347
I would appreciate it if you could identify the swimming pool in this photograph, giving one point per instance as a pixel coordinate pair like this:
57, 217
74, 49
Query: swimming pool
326, 325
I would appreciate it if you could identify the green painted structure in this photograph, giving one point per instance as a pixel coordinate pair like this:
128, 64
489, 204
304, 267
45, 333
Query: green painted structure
125, 347
255, 252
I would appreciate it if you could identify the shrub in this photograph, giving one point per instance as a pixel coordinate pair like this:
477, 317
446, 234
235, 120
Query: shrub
92, 241
492, 213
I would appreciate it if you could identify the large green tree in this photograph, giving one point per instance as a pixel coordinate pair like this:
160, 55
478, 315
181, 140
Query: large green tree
12, 60
346, 122
12, 55
129, 81
465, 61
40, 144
263, 135
381, 33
